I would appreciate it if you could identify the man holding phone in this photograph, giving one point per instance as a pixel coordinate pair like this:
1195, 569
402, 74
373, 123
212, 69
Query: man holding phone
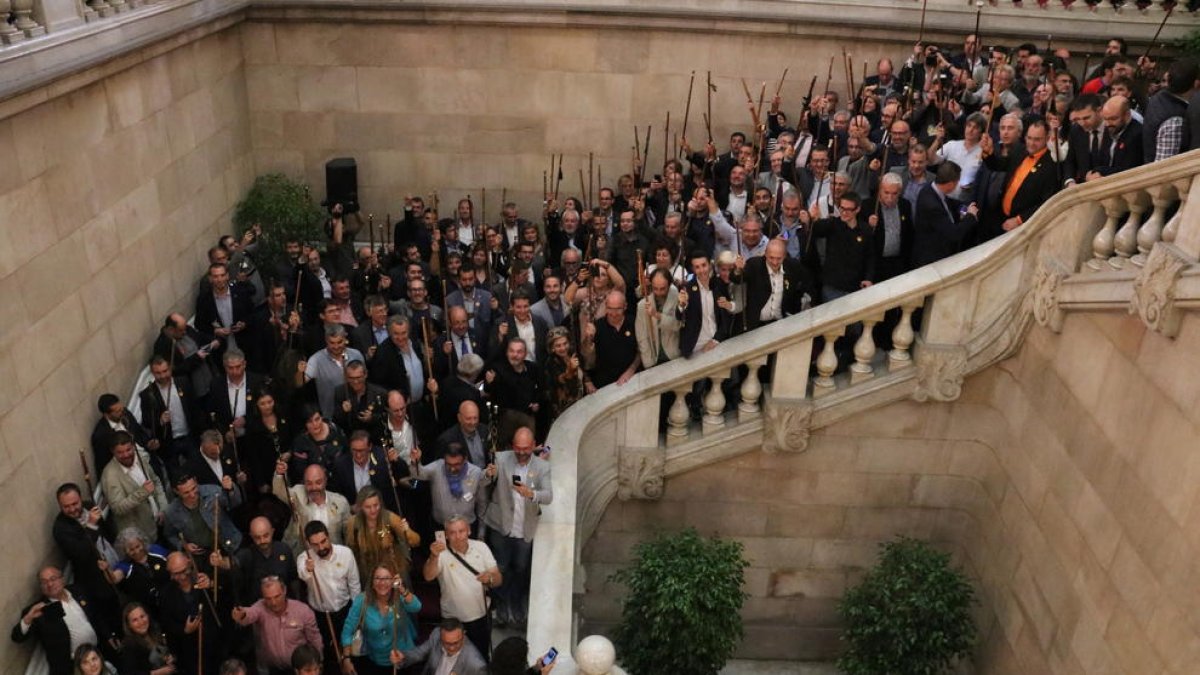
62, 620
465, 569
522, 485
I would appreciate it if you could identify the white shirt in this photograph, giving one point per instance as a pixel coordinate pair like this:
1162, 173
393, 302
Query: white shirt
362, 474
416, 376
466, 234
214, 464
336, 575
773, 309
708, 314
462, 594
462, 344
737, 204
179, 425
967, 160
237, 402
78, 626
449, 661
401, 438
518, 524
525, 332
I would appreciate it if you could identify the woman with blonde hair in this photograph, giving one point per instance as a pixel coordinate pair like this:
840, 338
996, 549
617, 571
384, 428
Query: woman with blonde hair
376, 535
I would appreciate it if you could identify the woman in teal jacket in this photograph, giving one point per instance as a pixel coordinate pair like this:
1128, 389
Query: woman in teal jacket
386, 631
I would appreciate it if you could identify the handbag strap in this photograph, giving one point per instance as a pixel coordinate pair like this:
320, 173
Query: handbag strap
460, 559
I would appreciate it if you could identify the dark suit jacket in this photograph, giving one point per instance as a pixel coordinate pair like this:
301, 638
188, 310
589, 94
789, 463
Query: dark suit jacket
102, 435
1080, 159
483, 311
348, 421
198, 467
498, 345
182, 367
52, 632
78, 544
452, 391
387, 368
447, 366
342, 480
217, 401
692, 315
758, 288
362, 337
153, 407
937, 234
243, 310
906, 232
1039, 185
1126, 153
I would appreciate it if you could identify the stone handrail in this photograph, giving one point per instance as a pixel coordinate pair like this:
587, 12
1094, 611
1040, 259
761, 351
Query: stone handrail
976, 308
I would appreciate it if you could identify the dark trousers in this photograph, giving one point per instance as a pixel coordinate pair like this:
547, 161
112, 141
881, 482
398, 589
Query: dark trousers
338, 618
514, 558
479, 632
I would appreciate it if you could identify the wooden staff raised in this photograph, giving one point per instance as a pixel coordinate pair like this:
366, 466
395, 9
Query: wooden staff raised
687, 109
428, 365
312, 555
708, 117
780, 87
1154, 40
216, 547
921, 33
667, 139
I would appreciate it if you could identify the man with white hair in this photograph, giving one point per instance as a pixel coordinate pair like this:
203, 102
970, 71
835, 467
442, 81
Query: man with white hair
890, 216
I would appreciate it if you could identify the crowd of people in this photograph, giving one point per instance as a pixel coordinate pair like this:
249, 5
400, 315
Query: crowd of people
338, 464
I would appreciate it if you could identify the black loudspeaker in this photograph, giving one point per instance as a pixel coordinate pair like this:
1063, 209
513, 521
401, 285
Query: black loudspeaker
341, 184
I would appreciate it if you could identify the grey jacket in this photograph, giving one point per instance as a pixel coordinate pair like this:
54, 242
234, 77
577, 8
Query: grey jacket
469, 661
499, 512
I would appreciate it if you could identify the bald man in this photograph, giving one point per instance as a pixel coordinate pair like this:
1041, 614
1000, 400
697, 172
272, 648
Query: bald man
449, 348
1122, 139
280, 626
185, 604
522, 485
311, 501
466, 431
775, 285
264, 558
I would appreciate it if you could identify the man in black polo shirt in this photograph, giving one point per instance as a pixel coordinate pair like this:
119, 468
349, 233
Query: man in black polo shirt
610, 347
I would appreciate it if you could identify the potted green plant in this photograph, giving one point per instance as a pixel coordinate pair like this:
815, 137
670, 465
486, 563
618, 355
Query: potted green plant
284, 209
682, 612
910, 615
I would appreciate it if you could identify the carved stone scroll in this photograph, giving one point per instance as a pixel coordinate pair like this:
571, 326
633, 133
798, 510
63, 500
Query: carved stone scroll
787, 425
1154, 289
940, 371
641, 473
1046, 282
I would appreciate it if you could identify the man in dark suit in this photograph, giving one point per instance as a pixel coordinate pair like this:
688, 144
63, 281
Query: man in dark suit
449, 348
62, 620
85, 537
476, 301
233, 395
467, 433
704, 308
367, 464
1032, 177
1122, 137
453, 390
171, 412
226, 308
1085, 139
520, 322
357, 404
775, 285
891, 217
113, 418
368, 335
399, 363
940, 227
214, 463
187, 350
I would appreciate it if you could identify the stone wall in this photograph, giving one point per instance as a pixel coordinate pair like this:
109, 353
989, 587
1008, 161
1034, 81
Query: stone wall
1064, 480
460, 108
111, 194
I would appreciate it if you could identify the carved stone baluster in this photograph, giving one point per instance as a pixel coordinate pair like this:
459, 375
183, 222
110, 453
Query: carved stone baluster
714, 404
8, 34
1125, 241
1181, 186
102, 7
25, 23
1161, 196
902, 339
118, 5
823, 383
751, 391
864, 353
678, 417
1102, 243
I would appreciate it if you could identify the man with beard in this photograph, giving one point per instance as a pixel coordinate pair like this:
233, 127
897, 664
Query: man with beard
265, 558
311, 501
515, 384
331, 575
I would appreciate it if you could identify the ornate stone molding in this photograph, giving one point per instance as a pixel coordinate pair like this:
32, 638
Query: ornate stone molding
787, 425
940, 371
641, 473
1047, 279
1154, 289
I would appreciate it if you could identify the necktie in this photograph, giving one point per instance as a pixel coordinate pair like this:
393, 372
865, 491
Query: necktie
462, 346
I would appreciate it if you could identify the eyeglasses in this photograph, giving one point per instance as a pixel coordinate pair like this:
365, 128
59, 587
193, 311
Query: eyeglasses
383, 579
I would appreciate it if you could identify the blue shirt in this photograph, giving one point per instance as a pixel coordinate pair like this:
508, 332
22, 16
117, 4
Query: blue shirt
377, 629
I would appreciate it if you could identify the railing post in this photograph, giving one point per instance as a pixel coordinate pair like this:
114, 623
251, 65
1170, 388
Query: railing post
864, 353
902, 339
1125, 241
1171, 231
826, 364
789, 377
102, 7
8, 34
678, 417
1102, 243
714, 404
25, 23
1150, 234
118, 5
751, 390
